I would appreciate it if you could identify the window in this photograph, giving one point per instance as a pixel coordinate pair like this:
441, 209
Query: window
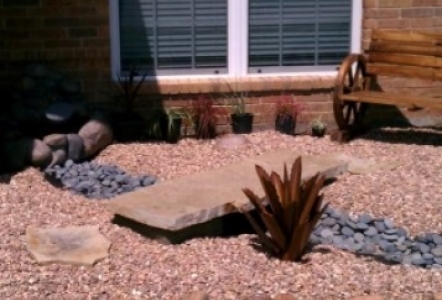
233, 37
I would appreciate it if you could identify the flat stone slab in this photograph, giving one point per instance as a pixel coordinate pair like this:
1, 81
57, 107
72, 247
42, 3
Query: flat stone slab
365, 166
182, 202
78, 245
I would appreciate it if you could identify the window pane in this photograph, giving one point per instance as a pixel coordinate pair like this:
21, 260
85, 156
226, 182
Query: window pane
173, 35
298, 32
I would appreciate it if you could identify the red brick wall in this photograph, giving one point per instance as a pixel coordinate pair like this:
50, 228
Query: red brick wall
73, 37
70, 35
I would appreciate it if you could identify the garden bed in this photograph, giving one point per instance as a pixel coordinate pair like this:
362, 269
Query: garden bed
229, 268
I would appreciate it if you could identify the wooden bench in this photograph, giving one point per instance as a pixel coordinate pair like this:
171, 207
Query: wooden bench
397, 54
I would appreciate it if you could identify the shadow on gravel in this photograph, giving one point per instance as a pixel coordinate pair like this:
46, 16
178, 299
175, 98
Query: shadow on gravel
407, 136
5, 178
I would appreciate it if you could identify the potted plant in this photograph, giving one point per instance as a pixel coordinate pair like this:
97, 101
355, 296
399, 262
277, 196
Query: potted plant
127, 124
171, 125
205, 116
287, 112
318, 127
241, 121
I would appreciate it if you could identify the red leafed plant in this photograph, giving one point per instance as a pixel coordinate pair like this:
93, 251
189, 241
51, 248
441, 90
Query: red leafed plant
295, 209
287, 106
206, 115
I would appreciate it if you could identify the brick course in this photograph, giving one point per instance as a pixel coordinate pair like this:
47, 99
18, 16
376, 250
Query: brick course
73, 37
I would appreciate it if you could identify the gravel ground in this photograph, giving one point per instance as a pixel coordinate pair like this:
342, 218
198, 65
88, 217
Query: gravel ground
227, 268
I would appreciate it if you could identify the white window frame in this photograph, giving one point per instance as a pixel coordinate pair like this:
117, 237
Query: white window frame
237, 56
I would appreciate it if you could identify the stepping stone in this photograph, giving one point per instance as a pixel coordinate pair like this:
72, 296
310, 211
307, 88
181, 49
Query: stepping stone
177, 204
78, 245
365, 166
231, 141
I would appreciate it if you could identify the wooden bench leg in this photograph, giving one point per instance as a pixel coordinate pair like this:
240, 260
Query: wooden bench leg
341, 136
345, 136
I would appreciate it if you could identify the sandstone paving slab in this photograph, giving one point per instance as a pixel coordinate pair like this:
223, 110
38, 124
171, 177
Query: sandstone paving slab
365, 166
78, 245
182, 202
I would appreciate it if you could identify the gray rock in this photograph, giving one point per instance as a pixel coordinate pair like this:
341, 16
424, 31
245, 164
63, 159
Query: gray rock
437, 251
69, 163
401, 232
424, 248
347, 231
358, 237
437, 239
417, 259
371, 231
338, 240
326, 233
362, 226
97, 134
356, 247
390, 231
368, 248
387, 246
352, 225
380, 226
389, 237
75, 147
365, 218
328, 222
427, 256
394, 257
388, 223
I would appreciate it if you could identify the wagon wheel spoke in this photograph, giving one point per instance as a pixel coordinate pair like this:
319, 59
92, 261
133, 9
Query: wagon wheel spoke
350, 114
348, 107
350, 77
357, 79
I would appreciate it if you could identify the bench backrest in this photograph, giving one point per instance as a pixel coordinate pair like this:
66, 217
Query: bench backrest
405, 54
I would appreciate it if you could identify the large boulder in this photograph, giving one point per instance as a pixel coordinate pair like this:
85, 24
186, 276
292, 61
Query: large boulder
38, 154
56, 141
97, 134
75, 147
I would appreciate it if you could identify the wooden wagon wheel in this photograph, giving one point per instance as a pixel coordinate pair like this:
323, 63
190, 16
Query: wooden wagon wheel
352, 77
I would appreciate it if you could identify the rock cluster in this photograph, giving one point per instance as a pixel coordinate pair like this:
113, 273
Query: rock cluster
97, 181
378, 237
45, 122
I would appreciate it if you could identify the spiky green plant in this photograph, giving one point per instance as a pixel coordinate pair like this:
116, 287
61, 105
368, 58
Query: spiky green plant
295, 209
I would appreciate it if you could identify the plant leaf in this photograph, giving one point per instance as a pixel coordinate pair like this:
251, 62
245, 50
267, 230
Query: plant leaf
260, 232
270, 192
306, 210
271, 223
293, 209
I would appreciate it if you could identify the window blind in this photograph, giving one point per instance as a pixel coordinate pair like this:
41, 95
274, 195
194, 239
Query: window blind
297, 33
174, 36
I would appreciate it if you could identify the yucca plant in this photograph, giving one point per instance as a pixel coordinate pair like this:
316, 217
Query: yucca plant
295, 209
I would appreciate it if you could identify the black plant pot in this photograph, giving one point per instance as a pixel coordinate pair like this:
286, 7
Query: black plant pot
285, 124
317, 132
128, 127
171, 132
242, 123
